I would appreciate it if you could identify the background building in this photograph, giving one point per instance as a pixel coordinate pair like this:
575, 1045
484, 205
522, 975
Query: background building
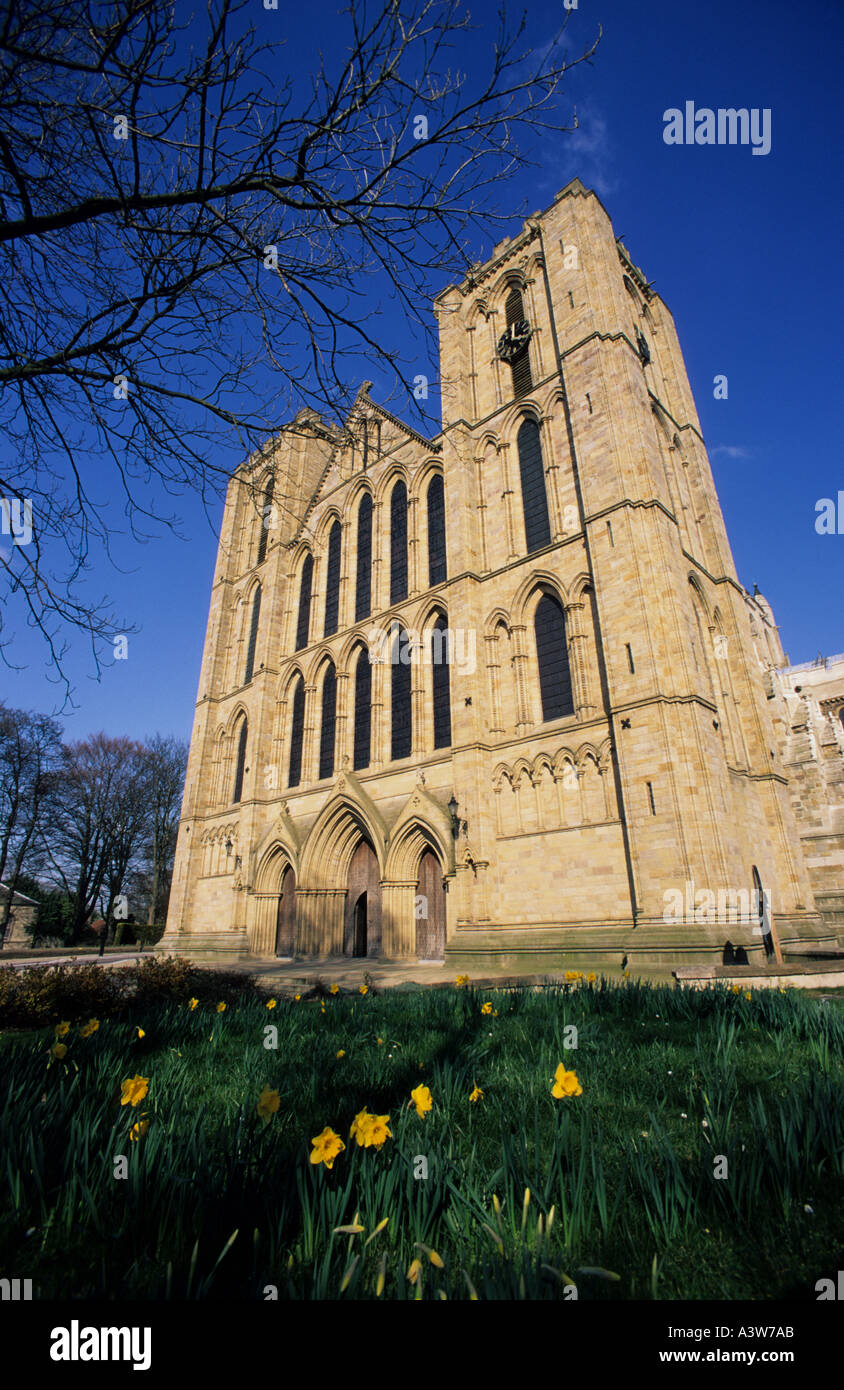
564, 724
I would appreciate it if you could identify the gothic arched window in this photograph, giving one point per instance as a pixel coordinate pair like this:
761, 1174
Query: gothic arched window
241, 760
436, 530
329, 722
553, 659
440, 661
253, 635
534, 499
363, 711
297, 727
303, 624
398, 543
401, 740
266, 515
514, 312
363, 588
332, 580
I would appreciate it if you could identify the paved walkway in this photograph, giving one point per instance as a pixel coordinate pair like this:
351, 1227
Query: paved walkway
26, 962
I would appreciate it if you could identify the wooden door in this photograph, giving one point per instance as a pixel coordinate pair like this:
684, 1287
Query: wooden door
363, 903
430, 909
285, 937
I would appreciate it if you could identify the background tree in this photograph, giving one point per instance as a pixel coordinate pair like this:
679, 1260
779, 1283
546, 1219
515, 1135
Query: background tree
166, 766
191, 233
96, 777
127, 820
30, 753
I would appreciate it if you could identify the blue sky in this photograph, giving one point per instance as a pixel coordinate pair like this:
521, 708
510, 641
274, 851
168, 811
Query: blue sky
745, 250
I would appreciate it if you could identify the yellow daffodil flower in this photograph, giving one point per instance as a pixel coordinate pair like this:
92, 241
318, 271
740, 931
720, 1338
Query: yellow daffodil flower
90, 1027
221, 1008
422, 1099
326, 1147
565, 1084
192, 1003
62, 1030
271, 1003
58, 1050
486, 1008
138, 1129
268, 1103
477, 1094
134, 1090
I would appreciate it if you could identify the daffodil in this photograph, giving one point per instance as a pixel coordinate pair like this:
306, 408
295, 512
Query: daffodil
58, 1050
326, 1147
421, 1098
486, 1008
335, 989
341, 1053
134, 1090
414, 1271
380, 1042
141, 1033
565, 1084
268, 1103
477, 1094
192, 1003
271, 1003
62, 1030
364, 989
138, 1129
90, 1027
462, 980
297, 997
747, 994
360, 1127
221, 1008
378, 1131
591, 978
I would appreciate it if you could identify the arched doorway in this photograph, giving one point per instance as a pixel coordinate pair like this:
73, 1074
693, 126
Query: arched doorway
362, 932
430, 909
285, 935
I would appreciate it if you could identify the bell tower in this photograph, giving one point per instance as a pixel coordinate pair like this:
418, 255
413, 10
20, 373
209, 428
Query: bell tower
567, 404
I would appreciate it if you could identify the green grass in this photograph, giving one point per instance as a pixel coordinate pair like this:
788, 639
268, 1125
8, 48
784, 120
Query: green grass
671, 1079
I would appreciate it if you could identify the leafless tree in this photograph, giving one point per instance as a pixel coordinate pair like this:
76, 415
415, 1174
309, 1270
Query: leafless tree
93, 818
166, 764
193, 236
30, 750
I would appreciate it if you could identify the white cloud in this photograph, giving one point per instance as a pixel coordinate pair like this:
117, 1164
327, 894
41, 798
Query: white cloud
732, 451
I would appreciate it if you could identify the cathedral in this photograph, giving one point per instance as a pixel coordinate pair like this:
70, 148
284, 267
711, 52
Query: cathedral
495, 698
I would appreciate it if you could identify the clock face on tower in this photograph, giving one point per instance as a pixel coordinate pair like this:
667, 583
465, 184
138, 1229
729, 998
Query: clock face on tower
514, 340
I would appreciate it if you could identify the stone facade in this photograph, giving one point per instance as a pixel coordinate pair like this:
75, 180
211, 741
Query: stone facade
589, 778
24, 914
808, 707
